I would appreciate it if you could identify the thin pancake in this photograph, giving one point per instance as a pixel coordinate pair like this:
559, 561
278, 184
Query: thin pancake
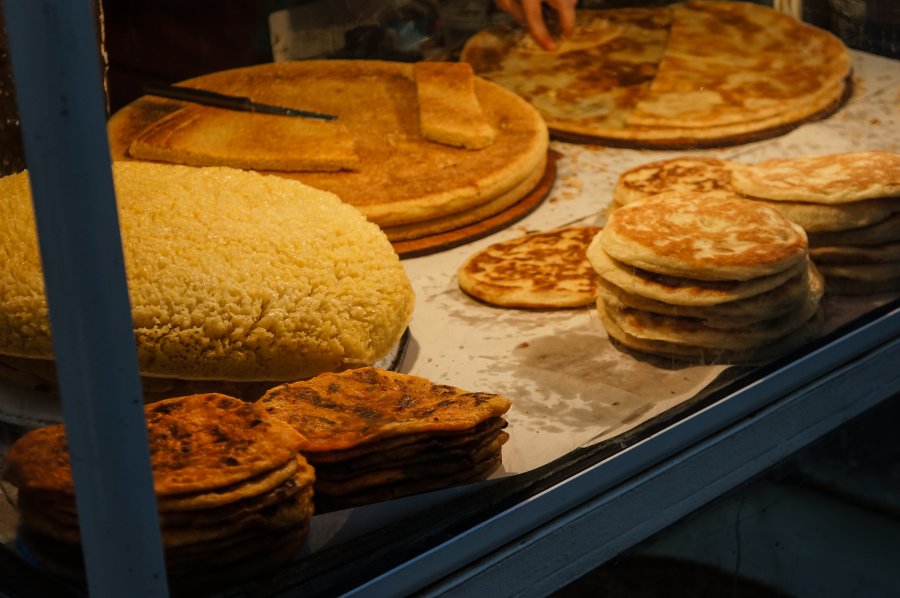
548, 270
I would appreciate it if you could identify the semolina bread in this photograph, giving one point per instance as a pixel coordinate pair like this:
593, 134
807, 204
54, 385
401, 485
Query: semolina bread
233, 275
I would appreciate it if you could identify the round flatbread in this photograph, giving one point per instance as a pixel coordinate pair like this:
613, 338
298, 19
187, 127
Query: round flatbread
402, 176
828, 179
261, 278
541, 270
687, 174
703, 237
197, 443
692, 74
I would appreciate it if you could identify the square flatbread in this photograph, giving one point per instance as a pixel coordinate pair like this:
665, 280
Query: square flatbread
341, 410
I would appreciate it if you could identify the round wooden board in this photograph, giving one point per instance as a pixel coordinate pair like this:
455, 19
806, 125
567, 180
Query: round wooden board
460, 236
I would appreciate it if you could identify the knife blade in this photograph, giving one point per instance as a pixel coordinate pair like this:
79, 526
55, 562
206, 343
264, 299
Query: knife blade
221, 100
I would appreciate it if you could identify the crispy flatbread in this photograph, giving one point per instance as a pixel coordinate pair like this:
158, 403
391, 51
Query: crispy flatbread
692, 74
886, 231
852, 254
343, 410
702, 237
206, 136
736, 63
541, 270
828, 179
199, 442
403, 177
449, 111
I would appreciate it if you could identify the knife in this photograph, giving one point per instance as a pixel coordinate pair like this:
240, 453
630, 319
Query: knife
221, 100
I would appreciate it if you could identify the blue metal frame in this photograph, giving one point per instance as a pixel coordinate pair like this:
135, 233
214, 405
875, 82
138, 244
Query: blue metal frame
56, 69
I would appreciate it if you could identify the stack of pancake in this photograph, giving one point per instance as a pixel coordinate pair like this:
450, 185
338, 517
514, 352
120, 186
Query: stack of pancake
375, 435
234, 495
708, 277
849, 205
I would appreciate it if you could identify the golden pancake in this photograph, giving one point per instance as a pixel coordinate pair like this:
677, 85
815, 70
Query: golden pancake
541, 270
263, 279
336, 411
449, 111
828, 179
200, 442
206, 136
685, 174
820, 217
683, 352
703, 237
684, 291
886, 231
445, 466
403, 177
742, 312
852, 254
864, 272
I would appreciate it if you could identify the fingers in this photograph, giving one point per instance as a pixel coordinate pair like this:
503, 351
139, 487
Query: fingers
512, 7
566, 11
534, 20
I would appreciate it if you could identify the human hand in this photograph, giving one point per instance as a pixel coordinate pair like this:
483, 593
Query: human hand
528, 13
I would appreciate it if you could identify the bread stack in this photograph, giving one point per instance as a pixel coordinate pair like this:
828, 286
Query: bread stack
375, 435
849, 204
696, 276
234, 495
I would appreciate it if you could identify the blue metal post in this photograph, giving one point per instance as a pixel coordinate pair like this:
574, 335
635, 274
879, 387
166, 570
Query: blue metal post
56, 70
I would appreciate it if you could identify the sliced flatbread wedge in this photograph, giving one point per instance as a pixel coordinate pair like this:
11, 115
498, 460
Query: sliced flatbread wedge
449, 111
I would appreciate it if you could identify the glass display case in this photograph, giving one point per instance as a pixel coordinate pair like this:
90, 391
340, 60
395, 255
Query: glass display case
607, 449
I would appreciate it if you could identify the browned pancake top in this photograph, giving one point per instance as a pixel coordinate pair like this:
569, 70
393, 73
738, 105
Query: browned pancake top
704, 237
341, 410
677, 174
198, 442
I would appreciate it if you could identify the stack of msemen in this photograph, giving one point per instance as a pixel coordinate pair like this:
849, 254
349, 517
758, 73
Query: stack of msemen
375, 435
692, 276
849, 205
234, 495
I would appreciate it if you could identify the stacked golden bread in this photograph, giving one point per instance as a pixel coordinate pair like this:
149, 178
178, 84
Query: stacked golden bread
238, 281
539, 270
705, 277
689, 74
418, 149
375, 435
849, 205
233, 493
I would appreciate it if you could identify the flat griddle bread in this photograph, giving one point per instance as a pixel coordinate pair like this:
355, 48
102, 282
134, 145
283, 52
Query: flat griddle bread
693, 74
258, 278
449, 110
403, 177
540, 270
697, 236
375, 435
231, 490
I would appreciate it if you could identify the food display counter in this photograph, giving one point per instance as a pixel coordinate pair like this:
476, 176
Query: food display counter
605, 448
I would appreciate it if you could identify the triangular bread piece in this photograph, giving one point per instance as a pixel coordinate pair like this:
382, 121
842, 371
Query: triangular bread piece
449, 111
